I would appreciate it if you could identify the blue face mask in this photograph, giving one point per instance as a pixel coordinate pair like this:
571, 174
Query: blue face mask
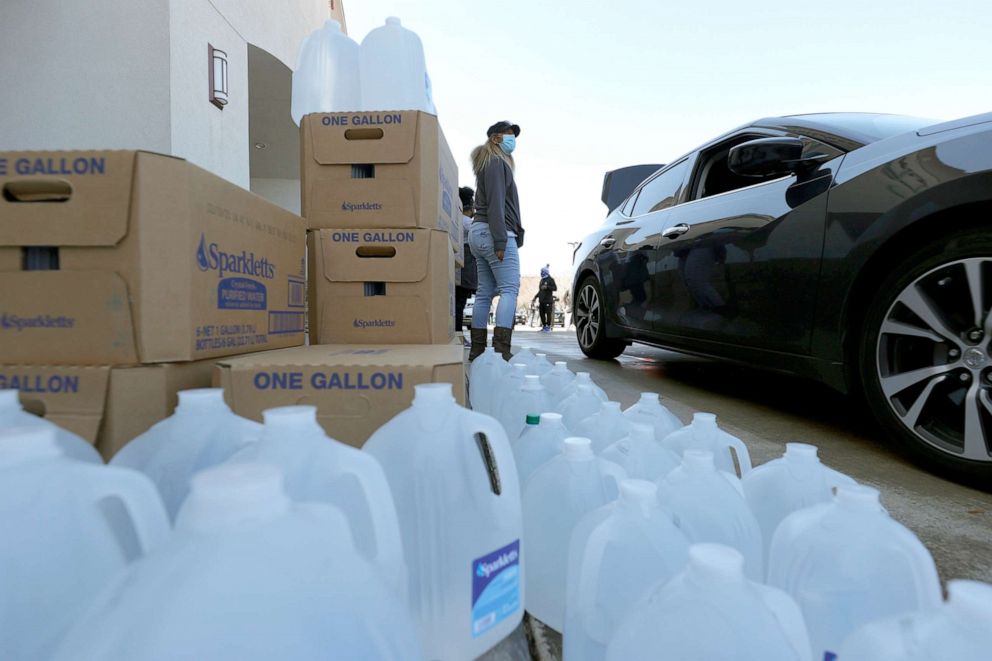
509, 144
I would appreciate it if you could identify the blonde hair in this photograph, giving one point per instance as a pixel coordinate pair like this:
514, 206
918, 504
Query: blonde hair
485, 153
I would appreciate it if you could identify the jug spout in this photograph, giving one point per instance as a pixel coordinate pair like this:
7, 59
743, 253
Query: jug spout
858, 498
9, 400
638, 496
641, 431
233, 496
289, 422
704, 427
576, 448
715, 564
201, 400
970, 603
801, 453
20, 444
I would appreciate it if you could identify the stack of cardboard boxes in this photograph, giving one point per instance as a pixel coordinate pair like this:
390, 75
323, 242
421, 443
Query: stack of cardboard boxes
380, 197
124, 275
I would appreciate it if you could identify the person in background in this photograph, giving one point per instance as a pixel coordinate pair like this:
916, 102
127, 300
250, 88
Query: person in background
495, 237
469, 280
545, 297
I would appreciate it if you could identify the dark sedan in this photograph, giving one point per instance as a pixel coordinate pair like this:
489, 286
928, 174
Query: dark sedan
850, 248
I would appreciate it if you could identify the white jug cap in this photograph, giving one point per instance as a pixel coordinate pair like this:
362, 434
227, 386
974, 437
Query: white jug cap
858, 496
520, 367
541, 355
332, 24
233, 495
698, 460
610, 406
637, 493
715, 562
432, 393
650, 397
561, 363
641, 430
19, 444
201, 400
971, 602
704, 419
532, 382
392, 20
550, 417
9, 400
576, 448
283, 416
801, 452
583, 376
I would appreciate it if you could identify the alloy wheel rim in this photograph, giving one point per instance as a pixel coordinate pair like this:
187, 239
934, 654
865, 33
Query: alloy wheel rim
934, 358
587, 316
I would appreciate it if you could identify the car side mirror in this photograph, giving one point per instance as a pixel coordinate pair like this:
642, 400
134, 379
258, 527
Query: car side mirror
767, 157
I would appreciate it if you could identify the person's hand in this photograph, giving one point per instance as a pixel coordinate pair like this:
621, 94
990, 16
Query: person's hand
499, 255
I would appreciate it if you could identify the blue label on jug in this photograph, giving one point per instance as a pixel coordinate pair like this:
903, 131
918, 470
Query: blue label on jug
829, 656
495, 587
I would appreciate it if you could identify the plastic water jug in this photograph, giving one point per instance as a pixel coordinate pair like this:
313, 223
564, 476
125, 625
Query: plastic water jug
649, 409
790, 483
317, 468
68, 528
394, 73
556, 497
529, 399
200, 434
618, 553
712, 612
248, 576
557, 380
540, 442
540, 365
960, 630
847, 563
604, 427
508, 382
581, 378
641, 455
581, 404
484, 374
708, 506
704, 434
455, 486
13, 415
327, 75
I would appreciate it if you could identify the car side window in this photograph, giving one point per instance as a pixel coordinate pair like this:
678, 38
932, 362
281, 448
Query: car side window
663, 191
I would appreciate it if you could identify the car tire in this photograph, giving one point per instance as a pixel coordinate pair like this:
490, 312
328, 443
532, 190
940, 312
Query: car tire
590, 323
925, 355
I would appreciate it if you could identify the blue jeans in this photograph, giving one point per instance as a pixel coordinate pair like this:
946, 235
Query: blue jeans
495, 277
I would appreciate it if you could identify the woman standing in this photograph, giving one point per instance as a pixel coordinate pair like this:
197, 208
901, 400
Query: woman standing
495, 236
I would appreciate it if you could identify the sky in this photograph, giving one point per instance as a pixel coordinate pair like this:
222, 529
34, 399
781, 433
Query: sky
599, 85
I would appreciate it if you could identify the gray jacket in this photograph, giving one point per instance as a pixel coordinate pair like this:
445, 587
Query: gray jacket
496, 203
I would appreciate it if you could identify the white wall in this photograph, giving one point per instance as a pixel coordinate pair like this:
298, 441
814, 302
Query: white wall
284, 192
84, 75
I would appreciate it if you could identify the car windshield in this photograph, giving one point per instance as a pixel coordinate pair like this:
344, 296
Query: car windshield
871, 126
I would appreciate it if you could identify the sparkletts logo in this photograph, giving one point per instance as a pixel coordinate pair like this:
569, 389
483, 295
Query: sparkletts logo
210, 257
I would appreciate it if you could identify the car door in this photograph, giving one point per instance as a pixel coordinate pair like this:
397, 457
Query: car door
738, 261
627, 260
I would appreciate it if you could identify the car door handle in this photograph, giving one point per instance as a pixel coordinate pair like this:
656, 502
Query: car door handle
675, 231
608, 242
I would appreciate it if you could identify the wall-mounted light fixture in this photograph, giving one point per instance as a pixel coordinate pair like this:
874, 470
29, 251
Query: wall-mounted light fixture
217, 61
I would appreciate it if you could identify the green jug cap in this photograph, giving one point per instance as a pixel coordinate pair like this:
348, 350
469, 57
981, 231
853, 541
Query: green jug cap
533, 419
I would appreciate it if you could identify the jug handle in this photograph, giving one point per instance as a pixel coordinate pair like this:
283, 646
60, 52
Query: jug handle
787, 612
613, 474
141, 500
743, 457
588, 587
389, 555
502, 473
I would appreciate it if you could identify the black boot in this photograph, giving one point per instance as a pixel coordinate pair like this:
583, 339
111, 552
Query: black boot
502, 340
478, 343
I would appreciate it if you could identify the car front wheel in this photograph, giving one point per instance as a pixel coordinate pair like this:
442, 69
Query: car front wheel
926, 354
590, 325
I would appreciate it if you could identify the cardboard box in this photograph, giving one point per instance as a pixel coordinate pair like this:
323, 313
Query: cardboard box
108, 406
380, 286
155, 259
390, 169
356, 389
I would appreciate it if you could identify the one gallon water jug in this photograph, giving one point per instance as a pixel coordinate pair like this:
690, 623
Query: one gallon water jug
318, 468
581, 404
649, 409
708, 506
581, 378
202, 433
68, 527
455, 487
327, 75
509, 382
704, 434
484, 374
13, 415
529, 399
557, 380
847, 563
540, 442
618, 553
793, 482
711, 612
540, 365
248, 575
960, 630
556, 497
641, 455
394, 73
604, 427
